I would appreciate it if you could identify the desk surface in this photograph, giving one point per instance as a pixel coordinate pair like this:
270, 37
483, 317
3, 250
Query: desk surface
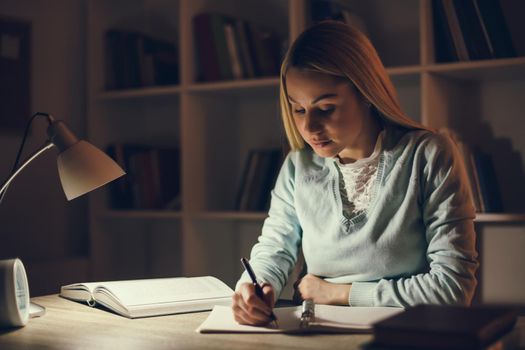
71, 325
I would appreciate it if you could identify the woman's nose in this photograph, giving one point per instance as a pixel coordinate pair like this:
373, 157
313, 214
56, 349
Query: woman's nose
312, 124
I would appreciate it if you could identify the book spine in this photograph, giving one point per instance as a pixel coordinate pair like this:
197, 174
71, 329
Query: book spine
219, 39
457, 36
443, 41
208, 59
468, 172
247, 59
247, 180
488, 182
233, 51
477, 182
471, 29
496, 27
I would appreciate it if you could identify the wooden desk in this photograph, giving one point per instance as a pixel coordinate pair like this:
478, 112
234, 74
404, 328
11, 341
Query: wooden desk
70, 325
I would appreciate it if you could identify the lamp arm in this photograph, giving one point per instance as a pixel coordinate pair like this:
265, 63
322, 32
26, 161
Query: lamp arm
44, 148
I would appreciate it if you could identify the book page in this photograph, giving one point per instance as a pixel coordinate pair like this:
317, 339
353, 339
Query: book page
78, 291
328, 318
165, 290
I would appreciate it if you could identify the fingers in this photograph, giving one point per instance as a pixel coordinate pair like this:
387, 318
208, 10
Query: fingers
269, 295
248, 308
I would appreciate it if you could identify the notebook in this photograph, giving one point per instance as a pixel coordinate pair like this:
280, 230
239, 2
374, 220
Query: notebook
152, 297
328, 318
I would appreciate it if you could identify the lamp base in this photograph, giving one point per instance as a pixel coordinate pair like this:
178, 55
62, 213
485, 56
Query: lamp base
36, 310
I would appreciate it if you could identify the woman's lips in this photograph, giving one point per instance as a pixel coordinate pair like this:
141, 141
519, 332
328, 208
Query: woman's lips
320, 143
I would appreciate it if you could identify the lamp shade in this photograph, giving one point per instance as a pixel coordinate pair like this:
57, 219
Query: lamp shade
83, 168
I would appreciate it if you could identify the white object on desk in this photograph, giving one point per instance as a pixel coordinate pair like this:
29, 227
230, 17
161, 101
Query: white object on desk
328, 318
14, 294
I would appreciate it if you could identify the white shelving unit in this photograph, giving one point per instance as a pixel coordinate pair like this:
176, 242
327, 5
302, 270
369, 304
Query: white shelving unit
215, 124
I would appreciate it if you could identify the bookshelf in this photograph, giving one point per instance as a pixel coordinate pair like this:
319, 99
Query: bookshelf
215, 124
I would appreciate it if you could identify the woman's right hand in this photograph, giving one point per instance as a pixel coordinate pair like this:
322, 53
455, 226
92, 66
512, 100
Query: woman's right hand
249, 309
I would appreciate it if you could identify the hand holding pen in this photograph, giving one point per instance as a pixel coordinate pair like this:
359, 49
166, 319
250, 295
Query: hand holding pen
252, 302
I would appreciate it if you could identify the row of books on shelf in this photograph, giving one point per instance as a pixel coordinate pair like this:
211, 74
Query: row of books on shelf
136, 60
152, 179
258, 179
482, 176
470, 30
230, 48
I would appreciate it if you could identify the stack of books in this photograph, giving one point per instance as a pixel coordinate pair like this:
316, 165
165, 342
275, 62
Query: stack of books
230, 48
466, 30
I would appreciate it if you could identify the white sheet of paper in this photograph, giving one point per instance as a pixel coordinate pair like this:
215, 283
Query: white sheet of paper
343, 318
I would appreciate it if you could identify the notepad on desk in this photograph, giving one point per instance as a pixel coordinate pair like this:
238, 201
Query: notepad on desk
152, 297
328, 318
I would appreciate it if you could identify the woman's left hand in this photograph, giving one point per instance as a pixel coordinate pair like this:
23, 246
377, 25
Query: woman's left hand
322, 292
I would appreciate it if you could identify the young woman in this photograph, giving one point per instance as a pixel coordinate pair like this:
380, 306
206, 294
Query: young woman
378, 203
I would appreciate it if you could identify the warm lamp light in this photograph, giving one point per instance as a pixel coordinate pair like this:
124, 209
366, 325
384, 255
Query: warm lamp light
82, 168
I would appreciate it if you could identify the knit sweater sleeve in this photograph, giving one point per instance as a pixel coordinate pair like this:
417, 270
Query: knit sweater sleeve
274, 256
447, 213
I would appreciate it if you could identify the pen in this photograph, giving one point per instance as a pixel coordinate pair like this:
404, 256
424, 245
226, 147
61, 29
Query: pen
258, 289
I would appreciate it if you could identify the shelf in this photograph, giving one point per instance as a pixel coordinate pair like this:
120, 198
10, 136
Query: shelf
234, 86
494, 69
142, 214
231, 215
404, 70
140, 92
499, 218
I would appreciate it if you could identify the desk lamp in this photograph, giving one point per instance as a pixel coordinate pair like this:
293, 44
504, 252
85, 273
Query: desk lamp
82, 168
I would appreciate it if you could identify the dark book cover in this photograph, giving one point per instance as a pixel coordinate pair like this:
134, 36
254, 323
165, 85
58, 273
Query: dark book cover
265, 48
247, 179
445, 327
169, 175
162, 59
123, 191
444, 50
118, 190
488, 181
115, 56
496, 27
272, 171
205, 45
257, 188
244, 48
470, 25
217, 24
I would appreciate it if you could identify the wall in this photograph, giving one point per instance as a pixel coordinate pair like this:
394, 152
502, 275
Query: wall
48, 233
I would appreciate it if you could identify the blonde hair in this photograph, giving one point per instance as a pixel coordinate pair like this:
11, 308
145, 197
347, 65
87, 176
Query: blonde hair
337, 49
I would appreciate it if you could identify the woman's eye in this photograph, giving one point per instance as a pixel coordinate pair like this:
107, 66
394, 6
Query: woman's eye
298, 111
326, 109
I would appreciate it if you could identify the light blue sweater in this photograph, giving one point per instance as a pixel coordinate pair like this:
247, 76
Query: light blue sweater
415, 244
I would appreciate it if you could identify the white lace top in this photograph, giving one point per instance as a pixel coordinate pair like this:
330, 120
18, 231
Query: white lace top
357, 180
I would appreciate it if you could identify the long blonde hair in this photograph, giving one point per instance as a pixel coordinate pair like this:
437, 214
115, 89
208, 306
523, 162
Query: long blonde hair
337, 49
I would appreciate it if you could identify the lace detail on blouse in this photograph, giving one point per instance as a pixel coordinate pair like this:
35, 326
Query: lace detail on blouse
357, 180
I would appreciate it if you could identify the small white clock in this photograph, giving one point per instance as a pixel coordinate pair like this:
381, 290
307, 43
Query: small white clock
14, 294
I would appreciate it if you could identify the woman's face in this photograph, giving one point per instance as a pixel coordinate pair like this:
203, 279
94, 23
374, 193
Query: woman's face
327, 112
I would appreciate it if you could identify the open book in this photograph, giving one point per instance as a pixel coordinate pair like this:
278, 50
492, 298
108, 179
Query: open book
328, 318
152, 297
